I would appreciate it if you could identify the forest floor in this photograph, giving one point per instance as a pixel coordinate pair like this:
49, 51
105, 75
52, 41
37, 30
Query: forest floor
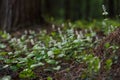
60, 53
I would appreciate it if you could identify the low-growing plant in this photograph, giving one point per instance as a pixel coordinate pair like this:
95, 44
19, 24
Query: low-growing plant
48, 51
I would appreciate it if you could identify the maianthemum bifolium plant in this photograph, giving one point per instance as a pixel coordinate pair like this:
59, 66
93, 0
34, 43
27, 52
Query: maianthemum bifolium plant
26, 53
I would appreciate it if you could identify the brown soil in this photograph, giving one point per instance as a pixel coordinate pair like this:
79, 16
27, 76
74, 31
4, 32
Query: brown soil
73, 70
100, 51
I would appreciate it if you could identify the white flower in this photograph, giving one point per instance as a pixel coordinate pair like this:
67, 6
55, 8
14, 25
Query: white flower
53, 26
63, 25
104, 10
105, 13
50, 54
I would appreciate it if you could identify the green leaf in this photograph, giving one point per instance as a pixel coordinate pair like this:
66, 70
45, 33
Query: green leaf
108, 64
96, 64
30, 55
57, 68
1, 58
107, 45
51, 61
14, 68
49, 78
36, 65
6, 66
22, 60
61, 55
5, 36
2, 46
6, 78
50, 54
27, 73
56, 50
3, 53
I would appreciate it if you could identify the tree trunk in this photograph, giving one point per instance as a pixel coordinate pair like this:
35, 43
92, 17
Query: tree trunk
118, 7
48, 7
67, 9
20, 13
111, 8
87, 17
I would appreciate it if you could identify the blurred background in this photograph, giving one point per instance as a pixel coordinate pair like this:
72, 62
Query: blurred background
80, 9
21, 13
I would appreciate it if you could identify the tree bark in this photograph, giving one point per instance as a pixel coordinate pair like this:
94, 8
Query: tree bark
118, 7
87, 17
20, 13
111, 8
67, 9
48, 7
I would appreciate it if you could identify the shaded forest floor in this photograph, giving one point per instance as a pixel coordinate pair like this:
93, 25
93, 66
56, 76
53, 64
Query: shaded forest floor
70, 51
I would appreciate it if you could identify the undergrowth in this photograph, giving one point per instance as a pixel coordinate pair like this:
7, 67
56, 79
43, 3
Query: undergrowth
47, 53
